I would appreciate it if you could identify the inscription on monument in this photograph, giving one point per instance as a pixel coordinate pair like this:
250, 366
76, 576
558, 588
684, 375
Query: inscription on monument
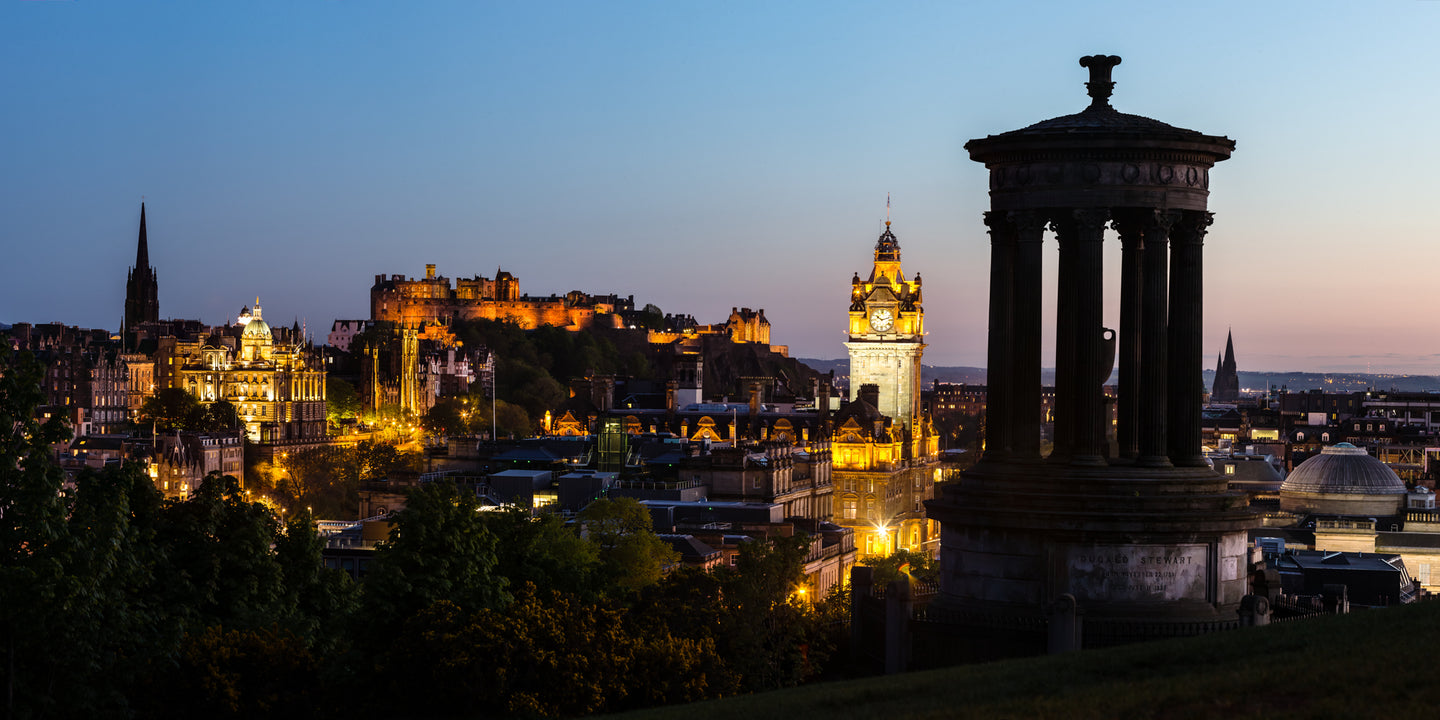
1144, 573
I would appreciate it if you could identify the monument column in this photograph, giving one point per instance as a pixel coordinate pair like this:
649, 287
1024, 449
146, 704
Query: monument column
1154, 452
1132, 279
998, 375
1091, 370
1186, 315
1063, 224
1029, 229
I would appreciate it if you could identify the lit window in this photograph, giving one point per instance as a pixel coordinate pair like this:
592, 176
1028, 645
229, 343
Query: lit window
1229, 469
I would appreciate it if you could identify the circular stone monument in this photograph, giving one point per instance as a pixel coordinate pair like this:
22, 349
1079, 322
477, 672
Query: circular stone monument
1100, 540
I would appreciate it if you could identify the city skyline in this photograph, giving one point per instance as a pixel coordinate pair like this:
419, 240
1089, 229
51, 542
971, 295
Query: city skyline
699, 158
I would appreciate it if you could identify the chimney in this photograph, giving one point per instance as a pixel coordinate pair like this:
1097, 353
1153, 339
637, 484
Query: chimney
822, 398
870, 393
429, 271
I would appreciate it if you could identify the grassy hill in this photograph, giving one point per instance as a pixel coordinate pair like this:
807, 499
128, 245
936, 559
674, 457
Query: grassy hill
1365, 665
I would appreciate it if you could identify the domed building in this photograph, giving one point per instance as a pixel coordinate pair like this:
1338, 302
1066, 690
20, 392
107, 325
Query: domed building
277, 384
1343, 480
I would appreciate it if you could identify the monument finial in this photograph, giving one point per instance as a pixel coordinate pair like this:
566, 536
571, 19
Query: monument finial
1100, 85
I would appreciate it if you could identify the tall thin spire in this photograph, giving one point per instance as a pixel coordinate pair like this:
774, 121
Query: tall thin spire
142, 292
142, 252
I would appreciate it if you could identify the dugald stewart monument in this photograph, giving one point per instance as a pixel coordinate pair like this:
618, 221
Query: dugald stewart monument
1129, 537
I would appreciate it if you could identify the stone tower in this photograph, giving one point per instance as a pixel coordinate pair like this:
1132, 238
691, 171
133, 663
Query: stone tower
1144, 540
1226, 387
142, 292
887, 333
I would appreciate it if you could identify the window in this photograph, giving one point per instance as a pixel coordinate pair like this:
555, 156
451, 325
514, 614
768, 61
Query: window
1229, 469
870, 509
849, 509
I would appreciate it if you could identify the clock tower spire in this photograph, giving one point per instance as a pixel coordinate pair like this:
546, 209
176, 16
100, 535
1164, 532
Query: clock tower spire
887, 332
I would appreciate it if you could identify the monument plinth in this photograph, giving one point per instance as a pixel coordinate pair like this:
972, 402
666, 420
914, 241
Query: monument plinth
1141, 536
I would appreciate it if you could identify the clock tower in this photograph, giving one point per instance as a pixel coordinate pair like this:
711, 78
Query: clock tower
887, 334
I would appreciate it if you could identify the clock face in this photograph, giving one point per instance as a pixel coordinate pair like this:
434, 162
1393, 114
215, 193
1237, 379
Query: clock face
882, 320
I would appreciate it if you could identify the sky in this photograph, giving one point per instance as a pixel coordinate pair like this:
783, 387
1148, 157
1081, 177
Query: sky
701, 156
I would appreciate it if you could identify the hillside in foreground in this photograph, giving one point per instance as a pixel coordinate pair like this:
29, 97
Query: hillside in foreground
1367, 664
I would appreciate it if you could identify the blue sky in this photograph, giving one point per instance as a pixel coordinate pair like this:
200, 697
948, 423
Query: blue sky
699, 155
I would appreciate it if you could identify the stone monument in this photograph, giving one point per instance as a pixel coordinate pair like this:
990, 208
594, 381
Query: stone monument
1139, 538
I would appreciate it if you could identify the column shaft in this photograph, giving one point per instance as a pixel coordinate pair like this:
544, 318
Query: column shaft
1132, 274
1091, 367
1029, 227
1186, 319
1064, 227
1154, 451
998, 401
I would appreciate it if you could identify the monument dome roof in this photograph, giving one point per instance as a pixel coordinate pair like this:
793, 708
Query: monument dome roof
1102, 119
1343, 469
1099, 123
256, 328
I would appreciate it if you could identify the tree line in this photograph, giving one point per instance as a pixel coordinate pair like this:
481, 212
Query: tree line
117, 603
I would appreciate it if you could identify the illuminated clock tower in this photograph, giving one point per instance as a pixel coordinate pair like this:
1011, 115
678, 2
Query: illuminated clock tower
887, 334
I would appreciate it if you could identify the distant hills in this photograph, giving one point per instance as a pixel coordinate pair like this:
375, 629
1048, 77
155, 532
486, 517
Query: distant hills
1294, 381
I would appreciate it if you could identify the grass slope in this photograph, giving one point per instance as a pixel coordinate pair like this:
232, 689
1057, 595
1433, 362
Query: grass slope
1364, 665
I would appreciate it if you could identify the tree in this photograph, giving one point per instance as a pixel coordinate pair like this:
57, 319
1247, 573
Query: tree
222, 415
220, 568
774, 640
921, 566
341, 400
173, 409
544, 552
316, 598
650, 318
438, 549
767, 638
32, 525
631, 556
547, 654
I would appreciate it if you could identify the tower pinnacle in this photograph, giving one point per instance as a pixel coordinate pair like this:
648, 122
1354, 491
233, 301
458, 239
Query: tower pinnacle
142, 293
142, 251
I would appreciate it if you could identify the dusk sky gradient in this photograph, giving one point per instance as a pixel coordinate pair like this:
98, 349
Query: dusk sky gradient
702, 156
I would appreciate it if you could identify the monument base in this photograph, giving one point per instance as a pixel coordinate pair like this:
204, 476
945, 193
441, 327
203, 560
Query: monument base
1122, 553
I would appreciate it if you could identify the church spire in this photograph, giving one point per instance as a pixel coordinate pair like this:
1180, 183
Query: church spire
1226, 387
142, 252
142, 294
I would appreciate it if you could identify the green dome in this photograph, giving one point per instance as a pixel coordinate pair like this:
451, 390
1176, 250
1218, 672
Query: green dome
256, 328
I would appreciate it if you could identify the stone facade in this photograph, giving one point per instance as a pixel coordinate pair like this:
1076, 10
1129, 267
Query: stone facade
277, 388
433, 299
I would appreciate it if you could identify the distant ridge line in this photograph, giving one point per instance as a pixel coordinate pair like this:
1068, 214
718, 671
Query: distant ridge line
1250, 382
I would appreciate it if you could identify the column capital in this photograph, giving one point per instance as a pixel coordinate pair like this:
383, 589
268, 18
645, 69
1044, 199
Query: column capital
1091, 221
999, 226
1191, 227
1030, 223
1161, 220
